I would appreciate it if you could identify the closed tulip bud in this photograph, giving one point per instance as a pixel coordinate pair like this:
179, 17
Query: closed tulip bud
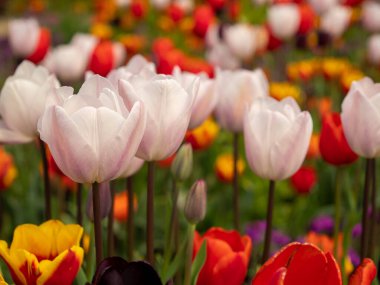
183, 162
233, 33
370, 19
284, 20
196, 201
336, 20
105, 198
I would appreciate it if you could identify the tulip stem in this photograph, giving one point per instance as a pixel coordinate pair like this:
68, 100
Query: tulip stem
150, 214
268, 229
110, 237
45, 165
79, 204
173, 227
338, 200
130, 221
189, 253
372, 228
367, 190
97, 223
236, 182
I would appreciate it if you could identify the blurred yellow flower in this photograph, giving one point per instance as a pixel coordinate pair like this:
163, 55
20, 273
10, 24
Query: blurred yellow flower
224, 167
8, 171
204, 135
45, 254
281, 90
102, 31
302, 70
350, 76
334, 67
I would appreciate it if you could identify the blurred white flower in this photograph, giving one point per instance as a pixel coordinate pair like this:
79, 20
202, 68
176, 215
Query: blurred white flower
336, 20
284, 20
373, 49
233, 35
23, 36
371, 16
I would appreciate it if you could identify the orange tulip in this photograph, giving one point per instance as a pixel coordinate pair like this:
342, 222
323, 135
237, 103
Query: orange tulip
8, 171
120, 208
45, 255
299, 264
227, 259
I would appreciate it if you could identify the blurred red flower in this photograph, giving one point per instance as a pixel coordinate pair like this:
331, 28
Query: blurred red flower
304, 179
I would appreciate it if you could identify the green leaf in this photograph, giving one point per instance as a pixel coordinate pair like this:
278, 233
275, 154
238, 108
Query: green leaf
198, 263
81, 277
177, 262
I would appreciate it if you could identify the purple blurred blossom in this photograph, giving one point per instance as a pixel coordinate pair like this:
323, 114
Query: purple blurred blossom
354, 257
357, 231
256, 231
322, 224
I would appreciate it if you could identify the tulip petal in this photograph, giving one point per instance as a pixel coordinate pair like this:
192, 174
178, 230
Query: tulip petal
14, 265
280, 259
118, 152
140, 273
109, 271
12, 137
73, 154
296, 139
279, 277
333, 276
361, 123
94, 85
63, 269
364, 274
30, 238
69, 235
229, 263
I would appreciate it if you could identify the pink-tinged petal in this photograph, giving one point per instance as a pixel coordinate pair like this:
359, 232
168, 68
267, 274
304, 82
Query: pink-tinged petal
8, 136
279, 277
127, 93
280, 259
364, 274
137, 63
117, 152
289, 151
133, 167
71, 150
63, 269
94, 85
23, 36
361, 123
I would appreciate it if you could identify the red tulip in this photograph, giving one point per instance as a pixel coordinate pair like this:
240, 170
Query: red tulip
304, 179
299, 264
227, 259
176, 12
307, 17
333, 144
364, 274
203, 17
101, 61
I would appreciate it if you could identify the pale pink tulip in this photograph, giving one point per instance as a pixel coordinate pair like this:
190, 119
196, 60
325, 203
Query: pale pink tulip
361, 118
92, 136
373, 49
22, 102
233, 36
336, 20
168, 107
276, 136
23, 36
236, 90
284, 20
370, 16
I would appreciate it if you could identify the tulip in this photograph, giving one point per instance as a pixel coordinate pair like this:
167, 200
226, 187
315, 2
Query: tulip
304, 179
50, 253
360, 118
321, 6
203, 18
370, 10
22, 102
236, 90
336, 20
224, 167
297, 264
272, 130
221, 56
2, 281
121, 206
168, 108
115, 270
28, 40
373, 49
8, 171
284, 20
232, 36
205, 99
307, 19
364, 274
227, 257
196, 202
333, 144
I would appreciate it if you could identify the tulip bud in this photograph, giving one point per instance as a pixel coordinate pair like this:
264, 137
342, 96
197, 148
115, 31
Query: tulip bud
183, 162
195, 207
105, 198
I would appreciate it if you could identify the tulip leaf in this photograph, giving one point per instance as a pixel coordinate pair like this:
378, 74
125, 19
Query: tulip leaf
81, 277
177, 262
198, 263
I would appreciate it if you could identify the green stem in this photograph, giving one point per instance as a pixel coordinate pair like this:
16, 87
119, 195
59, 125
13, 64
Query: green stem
130, 221
236, 205
338, 202
189, 254
110, 236
45, 165
372, 228
150, 214
172, 227
268, 229
367, 190
97, 223
79, 204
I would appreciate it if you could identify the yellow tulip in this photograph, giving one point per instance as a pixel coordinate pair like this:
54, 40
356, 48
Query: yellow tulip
44, 255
